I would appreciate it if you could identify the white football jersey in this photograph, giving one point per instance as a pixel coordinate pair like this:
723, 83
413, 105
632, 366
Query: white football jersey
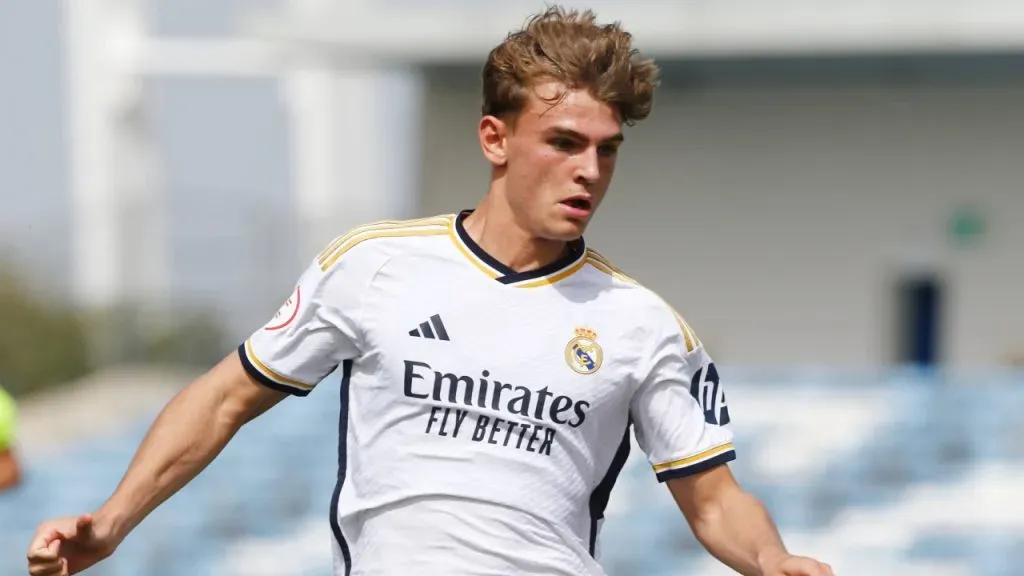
485, 413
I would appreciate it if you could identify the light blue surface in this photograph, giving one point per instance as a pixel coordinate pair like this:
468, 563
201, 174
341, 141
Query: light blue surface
280, 471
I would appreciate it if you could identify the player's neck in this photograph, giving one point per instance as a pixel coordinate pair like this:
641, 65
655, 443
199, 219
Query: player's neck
494, 229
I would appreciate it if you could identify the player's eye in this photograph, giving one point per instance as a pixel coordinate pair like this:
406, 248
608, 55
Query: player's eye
564, 144
608, 150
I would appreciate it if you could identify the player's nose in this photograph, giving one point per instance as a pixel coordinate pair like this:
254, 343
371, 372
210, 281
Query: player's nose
588, 168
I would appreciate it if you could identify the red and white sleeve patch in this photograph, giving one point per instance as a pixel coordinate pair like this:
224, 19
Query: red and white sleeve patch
287, 313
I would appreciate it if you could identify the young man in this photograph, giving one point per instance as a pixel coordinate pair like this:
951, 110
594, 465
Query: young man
492, 365
10, 469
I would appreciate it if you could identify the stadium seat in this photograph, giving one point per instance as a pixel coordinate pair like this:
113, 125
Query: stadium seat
922, 443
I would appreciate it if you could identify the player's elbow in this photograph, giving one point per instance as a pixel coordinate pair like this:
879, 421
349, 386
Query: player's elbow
718, 518
705, 519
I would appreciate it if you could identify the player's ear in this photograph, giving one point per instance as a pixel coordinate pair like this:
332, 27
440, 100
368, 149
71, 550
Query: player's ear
493, 133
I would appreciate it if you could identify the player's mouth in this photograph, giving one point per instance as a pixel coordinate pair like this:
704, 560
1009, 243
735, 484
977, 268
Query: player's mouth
578, 206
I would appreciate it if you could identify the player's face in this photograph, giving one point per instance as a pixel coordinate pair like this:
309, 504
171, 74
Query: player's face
559, 161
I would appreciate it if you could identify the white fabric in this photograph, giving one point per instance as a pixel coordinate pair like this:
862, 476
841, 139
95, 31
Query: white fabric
484, 408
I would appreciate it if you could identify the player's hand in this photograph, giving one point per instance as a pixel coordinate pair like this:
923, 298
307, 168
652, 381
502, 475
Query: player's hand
789, 565
68, 545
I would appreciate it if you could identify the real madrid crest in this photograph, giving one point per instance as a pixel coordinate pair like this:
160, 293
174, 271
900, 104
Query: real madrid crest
583, 354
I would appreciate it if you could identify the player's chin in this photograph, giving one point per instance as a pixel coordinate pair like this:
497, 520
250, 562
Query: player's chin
567, 229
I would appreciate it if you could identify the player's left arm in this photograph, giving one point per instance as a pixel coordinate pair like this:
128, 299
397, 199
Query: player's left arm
735, 527
681, 420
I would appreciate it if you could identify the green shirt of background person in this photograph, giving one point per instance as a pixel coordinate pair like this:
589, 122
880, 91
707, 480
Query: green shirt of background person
10, 473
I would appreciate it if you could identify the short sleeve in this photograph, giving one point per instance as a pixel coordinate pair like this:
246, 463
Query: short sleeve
679, 412
8, 420
314, 331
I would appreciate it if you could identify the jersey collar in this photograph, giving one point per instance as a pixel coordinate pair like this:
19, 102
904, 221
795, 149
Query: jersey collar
573, 260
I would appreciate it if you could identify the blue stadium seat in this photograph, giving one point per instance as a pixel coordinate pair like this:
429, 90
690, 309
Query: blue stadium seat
279, 472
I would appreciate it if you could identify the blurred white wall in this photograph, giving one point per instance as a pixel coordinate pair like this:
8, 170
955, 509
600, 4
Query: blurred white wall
775, 219
774, 214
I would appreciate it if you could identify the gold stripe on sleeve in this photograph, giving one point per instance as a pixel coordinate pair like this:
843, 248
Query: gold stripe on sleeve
695, 459
331, 249
270, 373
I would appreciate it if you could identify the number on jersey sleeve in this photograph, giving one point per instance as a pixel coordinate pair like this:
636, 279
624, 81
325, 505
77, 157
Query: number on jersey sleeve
680, 412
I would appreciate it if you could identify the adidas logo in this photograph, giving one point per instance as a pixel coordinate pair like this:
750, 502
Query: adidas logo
432, 329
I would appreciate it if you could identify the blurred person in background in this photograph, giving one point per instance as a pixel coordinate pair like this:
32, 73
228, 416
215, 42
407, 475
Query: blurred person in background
444, 466
10, 470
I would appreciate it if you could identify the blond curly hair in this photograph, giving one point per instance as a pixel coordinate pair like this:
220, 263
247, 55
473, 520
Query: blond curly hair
571, 48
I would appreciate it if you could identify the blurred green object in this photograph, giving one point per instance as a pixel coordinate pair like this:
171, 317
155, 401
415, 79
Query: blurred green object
43, 343
967, 226
46, 343
8, 419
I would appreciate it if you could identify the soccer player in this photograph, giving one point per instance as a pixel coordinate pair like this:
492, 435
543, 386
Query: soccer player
493, 366
10, 469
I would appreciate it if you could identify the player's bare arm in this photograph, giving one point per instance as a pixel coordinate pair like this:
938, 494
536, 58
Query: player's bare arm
187, 435
428, 408
736, 528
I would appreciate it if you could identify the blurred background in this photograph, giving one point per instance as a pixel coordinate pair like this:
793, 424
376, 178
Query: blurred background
830, 191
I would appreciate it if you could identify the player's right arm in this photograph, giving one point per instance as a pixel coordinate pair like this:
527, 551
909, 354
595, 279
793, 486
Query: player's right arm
310, 335
187, 435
